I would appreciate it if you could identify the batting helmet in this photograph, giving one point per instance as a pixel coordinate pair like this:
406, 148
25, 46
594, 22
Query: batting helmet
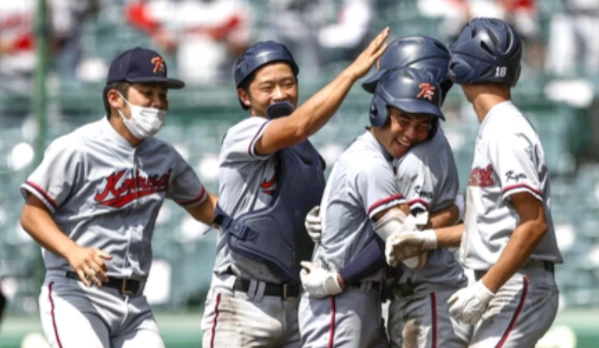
260, 54
409, 89
487, 50
421, 52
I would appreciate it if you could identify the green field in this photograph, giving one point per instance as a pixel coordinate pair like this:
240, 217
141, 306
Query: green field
572, 329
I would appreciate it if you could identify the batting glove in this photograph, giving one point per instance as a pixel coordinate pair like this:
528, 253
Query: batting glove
404, 245
319, 282
312, 224
468, 304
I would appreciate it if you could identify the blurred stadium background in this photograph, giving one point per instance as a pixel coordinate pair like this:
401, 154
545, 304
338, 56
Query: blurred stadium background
52, 84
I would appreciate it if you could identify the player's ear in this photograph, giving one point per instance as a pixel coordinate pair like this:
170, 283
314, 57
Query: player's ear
244, 97
114, 99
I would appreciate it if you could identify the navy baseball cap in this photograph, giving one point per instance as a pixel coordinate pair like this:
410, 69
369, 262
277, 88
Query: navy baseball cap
140, 65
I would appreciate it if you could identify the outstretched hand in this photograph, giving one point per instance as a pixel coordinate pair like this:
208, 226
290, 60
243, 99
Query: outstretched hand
369, 56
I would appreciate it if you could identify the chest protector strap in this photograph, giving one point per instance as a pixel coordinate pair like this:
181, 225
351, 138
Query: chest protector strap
275, 235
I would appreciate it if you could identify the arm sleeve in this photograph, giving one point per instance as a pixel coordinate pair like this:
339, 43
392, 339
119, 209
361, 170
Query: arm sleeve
59, 173
185, 187
516, 161
376, 186
368, 261
416, 181
239, 144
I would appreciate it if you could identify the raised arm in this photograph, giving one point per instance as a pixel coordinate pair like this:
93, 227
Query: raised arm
316, 111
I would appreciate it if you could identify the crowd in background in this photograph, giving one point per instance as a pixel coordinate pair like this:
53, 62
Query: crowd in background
205, 36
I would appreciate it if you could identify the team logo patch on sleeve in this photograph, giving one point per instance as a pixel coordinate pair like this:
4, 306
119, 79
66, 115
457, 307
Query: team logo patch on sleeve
426, 91
481, 177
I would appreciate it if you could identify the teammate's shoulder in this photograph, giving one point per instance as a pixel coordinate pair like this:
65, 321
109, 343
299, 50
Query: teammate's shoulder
158, 145
77, 136
248, 124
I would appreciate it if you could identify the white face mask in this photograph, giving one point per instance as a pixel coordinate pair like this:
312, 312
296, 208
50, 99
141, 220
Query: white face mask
144, 122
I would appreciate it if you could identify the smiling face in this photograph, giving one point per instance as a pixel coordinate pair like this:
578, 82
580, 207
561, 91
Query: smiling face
402, 131
271, 83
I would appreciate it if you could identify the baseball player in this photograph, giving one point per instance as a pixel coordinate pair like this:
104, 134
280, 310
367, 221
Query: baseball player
508, 237
427, 176
92, 205
269, 178
361, 193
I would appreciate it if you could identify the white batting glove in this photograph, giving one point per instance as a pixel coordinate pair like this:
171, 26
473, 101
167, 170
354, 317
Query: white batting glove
312, 223
319, 282
404, 245
467, 305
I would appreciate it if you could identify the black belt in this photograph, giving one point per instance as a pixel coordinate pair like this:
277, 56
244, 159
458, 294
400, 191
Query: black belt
285, 290
372, 285
398, 290
547, 265
125, 286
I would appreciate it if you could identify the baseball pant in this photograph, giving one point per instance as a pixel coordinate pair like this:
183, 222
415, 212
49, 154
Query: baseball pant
351, 319
74, 316
521, 312
422, 320
239, 319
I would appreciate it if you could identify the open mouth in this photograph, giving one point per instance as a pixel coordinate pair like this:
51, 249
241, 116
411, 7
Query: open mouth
402, 143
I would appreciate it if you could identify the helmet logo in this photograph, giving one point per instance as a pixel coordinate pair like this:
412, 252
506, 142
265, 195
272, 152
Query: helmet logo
426, 91
158, 64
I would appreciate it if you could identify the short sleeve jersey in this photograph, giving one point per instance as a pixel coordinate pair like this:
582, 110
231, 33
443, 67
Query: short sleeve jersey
246, 183
428, 178
508, 159
361, 185
104, 193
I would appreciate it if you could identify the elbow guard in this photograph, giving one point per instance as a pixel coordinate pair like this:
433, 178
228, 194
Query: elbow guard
390, 223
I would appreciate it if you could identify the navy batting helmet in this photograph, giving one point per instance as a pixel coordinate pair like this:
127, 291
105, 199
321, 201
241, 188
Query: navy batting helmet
411, 90
423, 52
487, 50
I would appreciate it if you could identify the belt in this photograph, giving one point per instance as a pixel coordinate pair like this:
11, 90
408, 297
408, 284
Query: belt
125, 286
285, 290
401, 290
366, 285
547, 265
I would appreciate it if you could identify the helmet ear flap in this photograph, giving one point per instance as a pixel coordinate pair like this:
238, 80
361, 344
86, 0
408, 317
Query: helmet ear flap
378, 113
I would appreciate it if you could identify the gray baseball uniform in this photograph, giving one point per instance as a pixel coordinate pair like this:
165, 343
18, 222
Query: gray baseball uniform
360, 185
236, 319
418, 312
106, 194
509, 159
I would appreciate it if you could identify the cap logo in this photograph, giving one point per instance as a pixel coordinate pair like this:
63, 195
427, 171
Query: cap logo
426, 91
158, 64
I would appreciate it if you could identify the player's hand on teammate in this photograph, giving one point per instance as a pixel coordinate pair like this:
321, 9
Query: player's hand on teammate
312, 223
362, 64
467, 305
319, 282
403, 245
89, 264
